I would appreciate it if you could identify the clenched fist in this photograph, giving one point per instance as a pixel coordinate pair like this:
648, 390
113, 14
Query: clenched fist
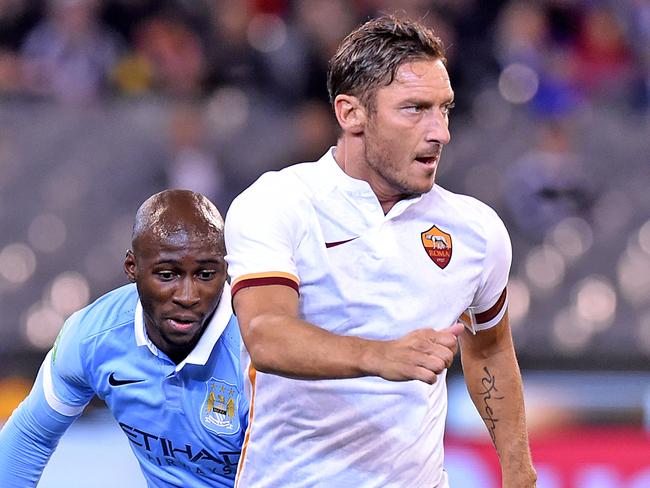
419, 355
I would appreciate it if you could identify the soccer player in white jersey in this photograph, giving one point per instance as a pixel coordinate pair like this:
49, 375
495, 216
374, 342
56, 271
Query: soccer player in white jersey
163, 353
349, 275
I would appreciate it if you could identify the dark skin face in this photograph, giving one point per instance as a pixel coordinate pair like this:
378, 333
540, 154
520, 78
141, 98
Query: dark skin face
180, 275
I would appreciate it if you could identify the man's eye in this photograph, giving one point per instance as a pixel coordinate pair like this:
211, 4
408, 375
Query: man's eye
447, 108
165, 275
414, 109
207, 274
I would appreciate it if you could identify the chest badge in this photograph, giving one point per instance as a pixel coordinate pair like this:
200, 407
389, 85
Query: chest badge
438, 246
219, 412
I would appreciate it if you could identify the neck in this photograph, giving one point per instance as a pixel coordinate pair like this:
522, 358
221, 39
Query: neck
349, 155
178, 355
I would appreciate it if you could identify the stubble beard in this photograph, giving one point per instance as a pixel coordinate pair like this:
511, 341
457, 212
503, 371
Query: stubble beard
380, 160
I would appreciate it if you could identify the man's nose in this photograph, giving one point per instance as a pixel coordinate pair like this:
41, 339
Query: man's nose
187, 293
438, 128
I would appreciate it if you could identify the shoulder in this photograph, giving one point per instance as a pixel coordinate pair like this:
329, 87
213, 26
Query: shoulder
466, 208
278, 188
278, 202
462, 203
231, 338
291, 185
99, 331
115, 308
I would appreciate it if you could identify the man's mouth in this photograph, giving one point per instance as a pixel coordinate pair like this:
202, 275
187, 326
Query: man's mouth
427, 160
182, 323
429, 156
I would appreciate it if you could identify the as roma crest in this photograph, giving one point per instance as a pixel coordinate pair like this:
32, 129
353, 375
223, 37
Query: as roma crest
438, 246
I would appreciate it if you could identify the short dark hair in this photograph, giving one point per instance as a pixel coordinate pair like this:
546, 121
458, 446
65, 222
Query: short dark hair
370, 56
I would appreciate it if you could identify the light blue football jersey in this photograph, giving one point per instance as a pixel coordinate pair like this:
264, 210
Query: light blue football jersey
185, 422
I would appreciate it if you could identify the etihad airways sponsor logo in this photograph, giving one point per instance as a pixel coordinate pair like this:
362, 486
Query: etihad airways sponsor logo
166, 452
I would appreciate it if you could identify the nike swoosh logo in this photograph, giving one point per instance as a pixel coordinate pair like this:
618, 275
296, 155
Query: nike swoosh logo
115, 382
338, 243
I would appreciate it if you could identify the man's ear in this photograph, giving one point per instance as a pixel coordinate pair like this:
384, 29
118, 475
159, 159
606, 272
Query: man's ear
129, 265
350, 114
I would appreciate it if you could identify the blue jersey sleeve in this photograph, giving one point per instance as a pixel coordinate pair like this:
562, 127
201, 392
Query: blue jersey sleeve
59, 395
65, 376
29, 438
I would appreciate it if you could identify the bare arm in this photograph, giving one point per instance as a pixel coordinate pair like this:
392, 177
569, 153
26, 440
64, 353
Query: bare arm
494, 383
280, 343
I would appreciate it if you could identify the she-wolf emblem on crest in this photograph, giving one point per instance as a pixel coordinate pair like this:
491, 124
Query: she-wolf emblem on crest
219, 412
437, 243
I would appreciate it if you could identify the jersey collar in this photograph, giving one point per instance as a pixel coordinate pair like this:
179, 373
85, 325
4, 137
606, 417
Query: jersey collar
341, 180
201, 352
360, 189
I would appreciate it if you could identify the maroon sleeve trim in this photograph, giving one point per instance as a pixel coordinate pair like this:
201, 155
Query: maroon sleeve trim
493, 311
270, 280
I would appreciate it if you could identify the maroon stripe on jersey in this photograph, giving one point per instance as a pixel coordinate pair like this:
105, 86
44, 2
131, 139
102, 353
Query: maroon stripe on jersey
484, 317
269, 280
338, 243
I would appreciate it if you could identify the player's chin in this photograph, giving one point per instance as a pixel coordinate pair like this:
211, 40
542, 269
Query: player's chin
421, 177
181, 341
420, 185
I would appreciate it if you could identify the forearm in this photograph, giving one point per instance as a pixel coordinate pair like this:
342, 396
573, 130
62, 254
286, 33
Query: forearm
494, 382
280, 343
291, 347
29, 438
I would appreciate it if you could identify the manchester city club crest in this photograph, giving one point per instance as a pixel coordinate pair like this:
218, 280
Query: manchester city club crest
437, 244
220, 410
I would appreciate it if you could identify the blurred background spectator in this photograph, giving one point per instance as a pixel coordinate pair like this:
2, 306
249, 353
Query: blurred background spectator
103, 102
69, 54
548, 183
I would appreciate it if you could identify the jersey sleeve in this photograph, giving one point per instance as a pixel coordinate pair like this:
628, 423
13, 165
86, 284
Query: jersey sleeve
65, 384
491, 300
29, 437
262, 231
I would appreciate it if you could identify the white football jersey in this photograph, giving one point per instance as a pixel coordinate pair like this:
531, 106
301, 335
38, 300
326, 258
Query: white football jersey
359, 272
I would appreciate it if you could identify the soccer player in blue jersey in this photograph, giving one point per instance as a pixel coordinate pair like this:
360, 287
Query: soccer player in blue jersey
163, 353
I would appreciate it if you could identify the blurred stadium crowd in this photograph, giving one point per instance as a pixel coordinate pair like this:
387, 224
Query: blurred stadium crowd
104, 102
81, 50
